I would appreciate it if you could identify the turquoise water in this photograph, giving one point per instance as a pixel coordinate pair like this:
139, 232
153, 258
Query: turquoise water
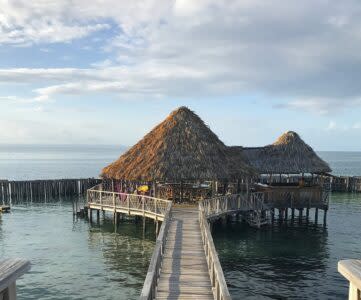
72, 259
292, 263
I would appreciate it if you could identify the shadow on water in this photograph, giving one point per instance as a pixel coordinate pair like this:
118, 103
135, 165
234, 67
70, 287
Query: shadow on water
72, 258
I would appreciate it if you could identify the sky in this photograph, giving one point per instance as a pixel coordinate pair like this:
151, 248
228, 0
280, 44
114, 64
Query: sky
106, 72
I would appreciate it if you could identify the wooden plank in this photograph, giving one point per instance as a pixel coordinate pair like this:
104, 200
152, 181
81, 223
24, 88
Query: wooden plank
184, 273
351, 270
11, 270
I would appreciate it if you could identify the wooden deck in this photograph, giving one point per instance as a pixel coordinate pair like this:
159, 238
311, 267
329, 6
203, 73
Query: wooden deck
184, 272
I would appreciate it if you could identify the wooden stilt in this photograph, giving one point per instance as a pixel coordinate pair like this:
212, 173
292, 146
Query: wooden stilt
292, 214
300, 214
97, 215
273, 215
280, 215
90, 215
286, 213
316, 216
324, 217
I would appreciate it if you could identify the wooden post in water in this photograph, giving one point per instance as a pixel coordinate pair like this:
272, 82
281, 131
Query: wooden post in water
280, 215
90, 215
293, 214
316, 216
286, 214
300, 214
324, 217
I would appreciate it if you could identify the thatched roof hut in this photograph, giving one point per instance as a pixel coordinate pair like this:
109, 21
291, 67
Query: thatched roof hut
288, 155
180, 148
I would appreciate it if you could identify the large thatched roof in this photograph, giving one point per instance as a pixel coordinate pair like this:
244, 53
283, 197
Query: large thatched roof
288, 155
182, 147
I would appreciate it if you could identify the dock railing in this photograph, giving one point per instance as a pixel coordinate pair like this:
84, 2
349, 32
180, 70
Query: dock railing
10, 271
216, 206
219, 285
150, 283
351, 270
131, 204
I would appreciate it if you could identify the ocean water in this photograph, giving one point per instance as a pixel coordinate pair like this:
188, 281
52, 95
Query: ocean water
26, 162
19, 162
71, 258
292, 262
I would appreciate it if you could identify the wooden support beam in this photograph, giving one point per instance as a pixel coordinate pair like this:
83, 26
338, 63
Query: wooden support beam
90, 215
316, 215
324, 217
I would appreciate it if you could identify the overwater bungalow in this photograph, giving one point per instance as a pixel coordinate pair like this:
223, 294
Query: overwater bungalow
292, 175
180, 159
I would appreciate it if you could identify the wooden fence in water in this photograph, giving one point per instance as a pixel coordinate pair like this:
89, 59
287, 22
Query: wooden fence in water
14, 191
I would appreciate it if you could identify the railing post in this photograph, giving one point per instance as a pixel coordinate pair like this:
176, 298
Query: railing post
143, 206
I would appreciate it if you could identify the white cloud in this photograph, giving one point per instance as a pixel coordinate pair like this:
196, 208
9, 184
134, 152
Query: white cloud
184, 48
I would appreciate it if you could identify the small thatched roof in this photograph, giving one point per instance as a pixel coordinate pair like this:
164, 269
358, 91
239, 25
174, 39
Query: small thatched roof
288, 155
182, 147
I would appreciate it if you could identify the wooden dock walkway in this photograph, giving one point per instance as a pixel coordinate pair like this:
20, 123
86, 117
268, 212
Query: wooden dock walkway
184, 273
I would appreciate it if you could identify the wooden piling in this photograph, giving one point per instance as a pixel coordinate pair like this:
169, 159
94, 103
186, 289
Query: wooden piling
324, 217
316, 215
300, 213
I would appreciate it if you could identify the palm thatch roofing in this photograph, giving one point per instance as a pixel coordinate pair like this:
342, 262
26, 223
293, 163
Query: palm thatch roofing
182, 147
288, 155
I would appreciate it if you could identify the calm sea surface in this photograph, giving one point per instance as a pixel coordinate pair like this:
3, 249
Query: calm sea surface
286, 262
44, 162
71, 258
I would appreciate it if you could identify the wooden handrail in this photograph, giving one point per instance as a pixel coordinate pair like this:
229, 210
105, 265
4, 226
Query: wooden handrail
150, 283
351, 270
127, 203
220, 289
10, 271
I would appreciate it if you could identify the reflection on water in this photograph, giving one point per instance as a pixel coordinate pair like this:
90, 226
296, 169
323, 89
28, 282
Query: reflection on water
72, 259
298, 262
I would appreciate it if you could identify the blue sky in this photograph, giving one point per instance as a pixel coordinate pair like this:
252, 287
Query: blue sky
109, 71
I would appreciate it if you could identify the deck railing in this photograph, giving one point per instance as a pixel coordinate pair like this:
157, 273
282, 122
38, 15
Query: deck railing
283, 196
219, 285
351, 270
214, 207
10, 271
131, 204
150, 283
